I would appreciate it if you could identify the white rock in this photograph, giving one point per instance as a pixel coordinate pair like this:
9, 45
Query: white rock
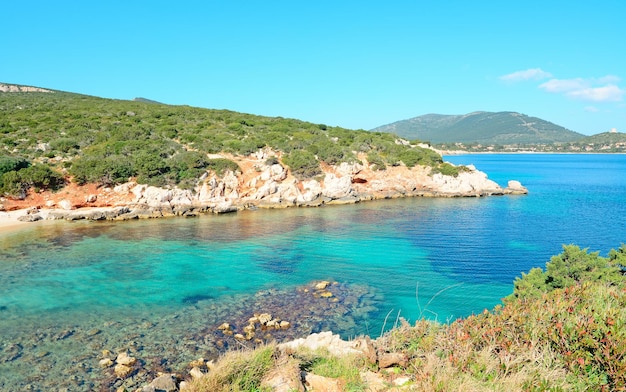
65, 204
124, 359
336, 187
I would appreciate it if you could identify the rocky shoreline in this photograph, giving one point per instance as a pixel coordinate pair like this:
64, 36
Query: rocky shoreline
262, 185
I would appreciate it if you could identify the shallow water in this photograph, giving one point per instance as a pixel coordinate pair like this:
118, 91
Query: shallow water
159, 288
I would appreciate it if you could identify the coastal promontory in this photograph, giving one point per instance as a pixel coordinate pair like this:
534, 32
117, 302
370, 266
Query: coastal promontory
70, 156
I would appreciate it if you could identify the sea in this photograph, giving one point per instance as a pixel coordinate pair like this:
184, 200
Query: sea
72, 293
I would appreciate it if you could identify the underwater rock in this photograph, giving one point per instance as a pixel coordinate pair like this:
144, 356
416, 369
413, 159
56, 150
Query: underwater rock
322, 285
124, 359
122, 371
105, 363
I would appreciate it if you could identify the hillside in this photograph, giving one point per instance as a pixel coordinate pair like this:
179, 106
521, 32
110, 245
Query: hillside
480, 127
605, 138
194, 156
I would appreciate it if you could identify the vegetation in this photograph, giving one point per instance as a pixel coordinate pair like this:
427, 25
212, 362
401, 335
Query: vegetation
563, 329
106, 141
17, 176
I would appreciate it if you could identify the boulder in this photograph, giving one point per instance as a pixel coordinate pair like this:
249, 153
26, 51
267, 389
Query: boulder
105, 362
318, 383
124, 359
164, 383
65, 204
337, 187
386, 360
285, 377
196, 373
29, 218
91, 198
122, 371
326, 340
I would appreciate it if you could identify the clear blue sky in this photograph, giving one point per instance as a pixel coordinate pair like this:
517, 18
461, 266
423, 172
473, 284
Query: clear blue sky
355, 64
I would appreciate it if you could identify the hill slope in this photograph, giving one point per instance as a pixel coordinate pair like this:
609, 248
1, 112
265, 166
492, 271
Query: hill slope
481, 127
204, 156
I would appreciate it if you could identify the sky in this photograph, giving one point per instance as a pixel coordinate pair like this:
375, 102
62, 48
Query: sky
355, 64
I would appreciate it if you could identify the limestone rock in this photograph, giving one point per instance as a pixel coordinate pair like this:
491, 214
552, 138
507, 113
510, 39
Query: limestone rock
122, 371
322, 285
65, 204
516, 188
349, 169
285, 377
105, 362
124, 359
386, 360
324, 340
337, 187
375, 382
164, 383
91, 198
30, 218
196, 373
322, 384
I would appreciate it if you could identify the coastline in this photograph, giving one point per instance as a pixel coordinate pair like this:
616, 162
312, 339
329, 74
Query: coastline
9, 221
257, 185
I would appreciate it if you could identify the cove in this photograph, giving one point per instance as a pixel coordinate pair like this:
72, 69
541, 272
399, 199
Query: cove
160, 287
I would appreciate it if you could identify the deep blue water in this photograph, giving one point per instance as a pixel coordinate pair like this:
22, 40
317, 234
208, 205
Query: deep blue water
422, 257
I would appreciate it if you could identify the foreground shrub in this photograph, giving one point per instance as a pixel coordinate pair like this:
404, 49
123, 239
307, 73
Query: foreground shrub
238, 371
573, 266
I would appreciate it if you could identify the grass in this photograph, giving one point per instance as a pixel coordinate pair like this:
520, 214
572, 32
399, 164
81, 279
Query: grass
555, 339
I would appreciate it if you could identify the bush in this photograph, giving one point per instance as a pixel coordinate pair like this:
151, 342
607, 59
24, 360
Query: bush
573, 266
303, 164
448, 169
8, 164
16, 183
222, 165
64, 145
106, 171
376, 161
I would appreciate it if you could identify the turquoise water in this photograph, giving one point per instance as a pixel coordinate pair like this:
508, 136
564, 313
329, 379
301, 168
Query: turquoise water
413, 258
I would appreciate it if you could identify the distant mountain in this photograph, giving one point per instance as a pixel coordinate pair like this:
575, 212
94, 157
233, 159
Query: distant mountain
481, 127
146, 100
606, 138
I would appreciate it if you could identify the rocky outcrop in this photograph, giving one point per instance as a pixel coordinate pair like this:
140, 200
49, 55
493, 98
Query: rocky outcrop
270, 185
13, 88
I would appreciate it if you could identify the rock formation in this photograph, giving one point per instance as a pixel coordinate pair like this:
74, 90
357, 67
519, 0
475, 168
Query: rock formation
263, 185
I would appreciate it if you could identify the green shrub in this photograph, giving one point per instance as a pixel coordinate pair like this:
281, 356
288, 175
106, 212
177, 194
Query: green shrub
572, 266
16, 183
303, 164
448, 169
222, 165
376, 161
8, 163
64, 145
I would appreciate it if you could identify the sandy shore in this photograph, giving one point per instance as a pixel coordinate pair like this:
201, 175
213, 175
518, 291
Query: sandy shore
9, 222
